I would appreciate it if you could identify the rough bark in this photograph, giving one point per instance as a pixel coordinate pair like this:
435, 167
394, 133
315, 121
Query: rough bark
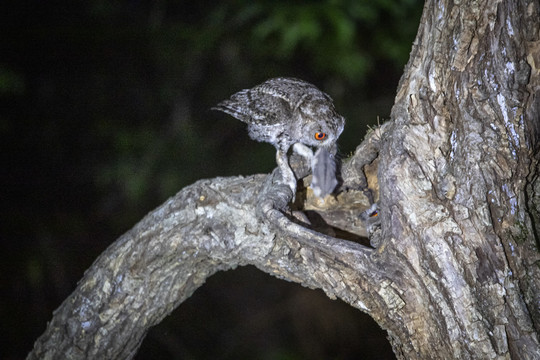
454, 173
455, 269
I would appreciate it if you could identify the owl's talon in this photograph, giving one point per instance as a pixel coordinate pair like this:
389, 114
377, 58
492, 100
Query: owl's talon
287, 177
293, 188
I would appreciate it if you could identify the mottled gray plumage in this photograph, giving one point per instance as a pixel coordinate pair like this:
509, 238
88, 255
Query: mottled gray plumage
287, 112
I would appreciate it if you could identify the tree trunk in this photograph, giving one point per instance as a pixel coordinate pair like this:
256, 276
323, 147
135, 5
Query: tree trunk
453, 272
458, 178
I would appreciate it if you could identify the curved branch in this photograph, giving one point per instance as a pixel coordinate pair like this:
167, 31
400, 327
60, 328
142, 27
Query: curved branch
209, 226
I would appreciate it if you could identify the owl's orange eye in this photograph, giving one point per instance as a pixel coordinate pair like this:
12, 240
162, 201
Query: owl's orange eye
320, 136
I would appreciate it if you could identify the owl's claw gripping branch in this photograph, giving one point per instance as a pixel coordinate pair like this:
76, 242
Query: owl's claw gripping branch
274, 197
287, 175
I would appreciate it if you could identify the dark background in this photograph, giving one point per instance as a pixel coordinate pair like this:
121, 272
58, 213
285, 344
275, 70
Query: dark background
104, 113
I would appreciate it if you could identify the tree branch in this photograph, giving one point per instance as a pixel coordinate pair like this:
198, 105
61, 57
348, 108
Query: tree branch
209, 226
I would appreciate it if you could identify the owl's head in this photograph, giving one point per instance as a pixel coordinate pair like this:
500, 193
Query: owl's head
319, 124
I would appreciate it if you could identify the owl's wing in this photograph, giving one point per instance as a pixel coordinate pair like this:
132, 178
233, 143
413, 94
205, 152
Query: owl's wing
252, 106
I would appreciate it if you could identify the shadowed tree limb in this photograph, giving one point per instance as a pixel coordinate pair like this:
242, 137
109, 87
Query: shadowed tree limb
209, 226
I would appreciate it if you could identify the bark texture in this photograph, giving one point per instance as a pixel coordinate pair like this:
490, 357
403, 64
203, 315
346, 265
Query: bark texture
210, 226
454, 174
453, 272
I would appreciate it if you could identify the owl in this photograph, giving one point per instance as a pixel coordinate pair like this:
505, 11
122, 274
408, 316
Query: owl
291, 113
